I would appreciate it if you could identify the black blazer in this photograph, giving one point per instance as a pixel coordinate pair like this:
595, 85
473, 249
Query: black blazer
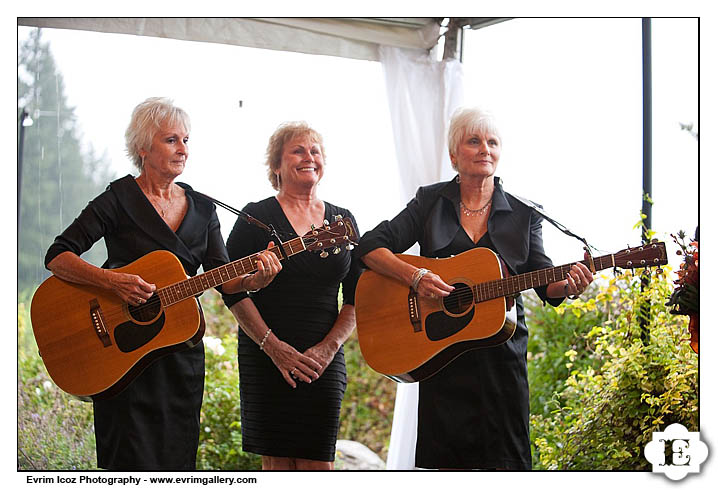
125, 218
432, 219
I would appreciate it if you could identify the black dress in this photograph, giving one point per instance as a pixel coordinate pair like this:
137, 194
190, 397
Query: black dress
154, 423
300, 306
474, 413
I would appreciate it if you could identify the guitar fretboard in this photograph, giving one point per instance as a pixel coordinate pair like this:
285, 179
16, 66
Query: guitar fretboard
174, 293
521, 282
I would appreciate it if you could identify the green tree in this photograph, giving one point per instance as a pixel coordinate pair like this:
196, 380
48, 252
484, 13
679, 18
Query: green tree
58, 177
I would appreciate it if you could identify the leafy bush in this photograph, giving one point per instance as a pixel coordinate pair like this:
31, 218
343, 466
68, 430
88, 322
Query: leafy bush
368, 408
220, 440
621, 385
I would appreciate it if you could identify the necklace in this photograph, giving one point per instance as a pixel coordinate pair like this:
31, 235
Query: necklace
163, 209
474, 212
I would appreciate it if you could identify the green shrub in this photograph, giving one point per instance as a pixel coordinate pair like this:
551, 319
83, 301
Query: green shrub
220, 440
368, 407
619, 388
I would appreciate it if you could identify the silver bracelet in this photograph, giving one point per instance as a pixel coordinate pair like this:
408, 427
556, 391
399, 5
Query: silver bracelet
416, 277
261, 344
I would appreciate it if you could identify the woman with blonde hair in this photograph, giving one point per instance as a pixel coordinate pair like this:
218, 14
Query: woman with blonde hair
291, 360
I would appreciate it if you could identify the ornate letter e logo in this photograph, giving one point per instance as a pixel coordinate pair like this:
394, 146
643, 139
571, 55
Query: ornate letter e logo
676, 452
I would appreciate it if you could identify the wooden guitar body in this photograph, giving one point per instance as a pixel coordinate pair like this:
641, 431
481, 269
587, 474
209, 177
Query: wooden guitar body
409, 338
93, 344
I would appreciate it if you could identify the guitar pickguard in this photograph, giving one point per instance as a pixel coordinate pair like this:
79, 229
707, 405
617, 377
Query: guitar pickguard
129, 336
439, 325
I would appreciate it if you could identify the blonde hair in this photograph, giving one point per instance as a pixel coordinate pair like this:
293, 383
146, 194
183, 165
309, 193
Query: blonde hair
282, 135
466, 120
146, 120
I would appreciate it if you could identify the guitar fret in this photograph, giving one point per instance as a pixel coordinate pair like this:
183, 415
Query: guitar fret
195, 285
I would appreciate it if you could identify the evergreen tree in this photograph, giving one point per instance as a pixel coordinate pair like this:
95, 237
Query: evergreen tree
58, 178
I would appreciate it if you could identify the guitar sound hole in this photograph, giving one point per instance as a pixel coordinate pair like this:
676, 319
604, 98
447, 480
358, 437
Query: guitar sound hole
148, 311
460, 299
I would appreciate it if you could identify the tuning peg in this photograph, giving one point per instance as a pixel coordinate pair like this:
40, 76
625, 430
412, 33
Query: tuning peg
336, 250
326, 222
324, 254
338, 217
350, 247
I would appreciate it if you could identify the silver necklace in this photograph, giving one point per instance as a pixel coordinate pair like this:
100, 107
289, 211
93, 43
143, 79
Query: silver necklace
474, 212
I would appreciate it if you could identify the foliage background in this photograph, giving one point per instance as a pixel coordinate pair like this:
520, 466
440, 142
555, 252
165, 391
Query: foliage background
599, 388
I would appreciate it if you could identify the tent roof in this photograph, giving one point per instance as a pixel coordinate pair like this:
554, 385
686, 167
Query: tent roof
357, 38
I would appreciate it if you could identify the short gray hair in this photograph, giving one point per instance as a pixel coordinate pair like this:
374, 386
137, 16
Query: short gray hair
467, 120
146, 119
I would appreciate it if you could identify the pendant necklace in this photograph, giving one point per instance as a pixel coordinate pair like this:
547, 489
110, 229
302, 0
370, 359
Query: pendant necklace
474, 212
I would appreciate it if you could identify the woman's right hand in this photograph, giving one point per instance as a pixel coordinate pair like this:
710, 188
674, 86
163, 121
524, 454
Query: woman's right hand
292, 364
432, 286
131, 288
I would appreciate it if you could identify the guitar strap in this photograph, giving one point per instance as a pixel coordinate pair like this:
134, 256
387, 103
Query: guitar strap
249, 219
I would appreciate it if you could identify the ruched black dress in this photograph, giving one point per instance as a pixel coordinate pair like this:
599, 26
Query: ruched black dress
300, 306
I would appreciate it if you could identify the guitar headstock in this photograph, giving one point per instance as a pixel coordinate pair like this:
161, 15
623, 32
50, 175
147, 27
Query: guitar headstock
331, 236
649, 255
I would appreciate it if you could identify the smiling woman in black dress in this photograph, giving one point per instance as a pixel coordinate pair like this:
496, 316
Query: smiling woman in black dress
474, 413
291, 360
153, 424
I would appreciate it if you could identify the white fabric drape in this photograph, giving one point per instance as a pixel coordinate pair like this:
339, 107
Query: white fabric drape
422, 93
357, 38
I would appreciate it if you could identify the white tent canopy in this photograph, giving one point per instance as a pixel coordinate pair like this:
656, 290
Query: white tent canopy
357, 38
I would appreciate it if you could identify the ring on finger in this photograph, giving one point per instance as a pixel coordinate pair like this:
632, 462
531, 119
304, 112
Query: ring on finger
291, 373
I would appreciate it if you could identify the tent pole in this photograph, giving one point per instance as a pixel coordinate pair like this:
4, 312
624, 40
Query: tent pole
647, 128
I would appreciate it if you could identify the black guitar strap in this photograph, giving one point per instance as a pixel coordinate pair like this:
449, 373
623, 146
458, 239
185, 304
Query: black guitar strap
249, 219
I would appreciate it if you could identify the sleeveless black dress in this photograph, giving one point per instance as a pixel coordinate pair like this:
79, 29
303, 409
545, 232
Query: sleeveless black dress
300, 306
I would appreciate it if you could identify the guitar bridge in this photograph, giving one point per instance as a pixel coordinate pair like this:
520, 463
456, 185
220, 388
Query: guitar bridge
414, 310
98, 322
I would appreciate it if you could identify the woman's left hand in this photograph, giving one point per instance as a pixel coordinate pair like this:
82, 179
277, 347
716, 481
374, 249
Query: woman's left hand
321, 353
268, 266
578, 278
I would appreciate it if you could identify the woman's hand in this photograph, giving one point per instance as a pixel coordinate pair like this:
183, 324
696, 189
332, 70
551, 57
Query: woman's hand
293, 365
323, 354
131, 288
578, 279
432, 286
268, 266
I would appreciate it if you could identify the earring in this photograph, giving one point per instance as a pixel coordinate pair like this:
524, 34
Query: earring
458, 178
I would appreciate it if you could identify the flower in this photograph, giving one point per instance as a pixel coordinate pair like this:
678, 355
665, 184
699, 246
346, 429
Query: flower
685, 299
214, 345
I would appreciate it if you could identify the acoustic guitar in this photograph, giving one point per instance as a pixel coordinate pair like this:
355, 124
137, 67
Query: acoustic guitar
409, 338
93, 344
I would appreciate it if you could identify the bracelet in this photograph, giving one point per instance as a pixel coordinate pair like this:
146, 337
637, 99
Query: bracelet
416, 277
241, 285
261, 344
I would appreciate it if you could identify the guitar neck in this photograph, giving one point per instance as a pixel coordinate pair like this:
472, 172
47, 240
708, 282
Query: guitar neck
521, 282
174, 293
